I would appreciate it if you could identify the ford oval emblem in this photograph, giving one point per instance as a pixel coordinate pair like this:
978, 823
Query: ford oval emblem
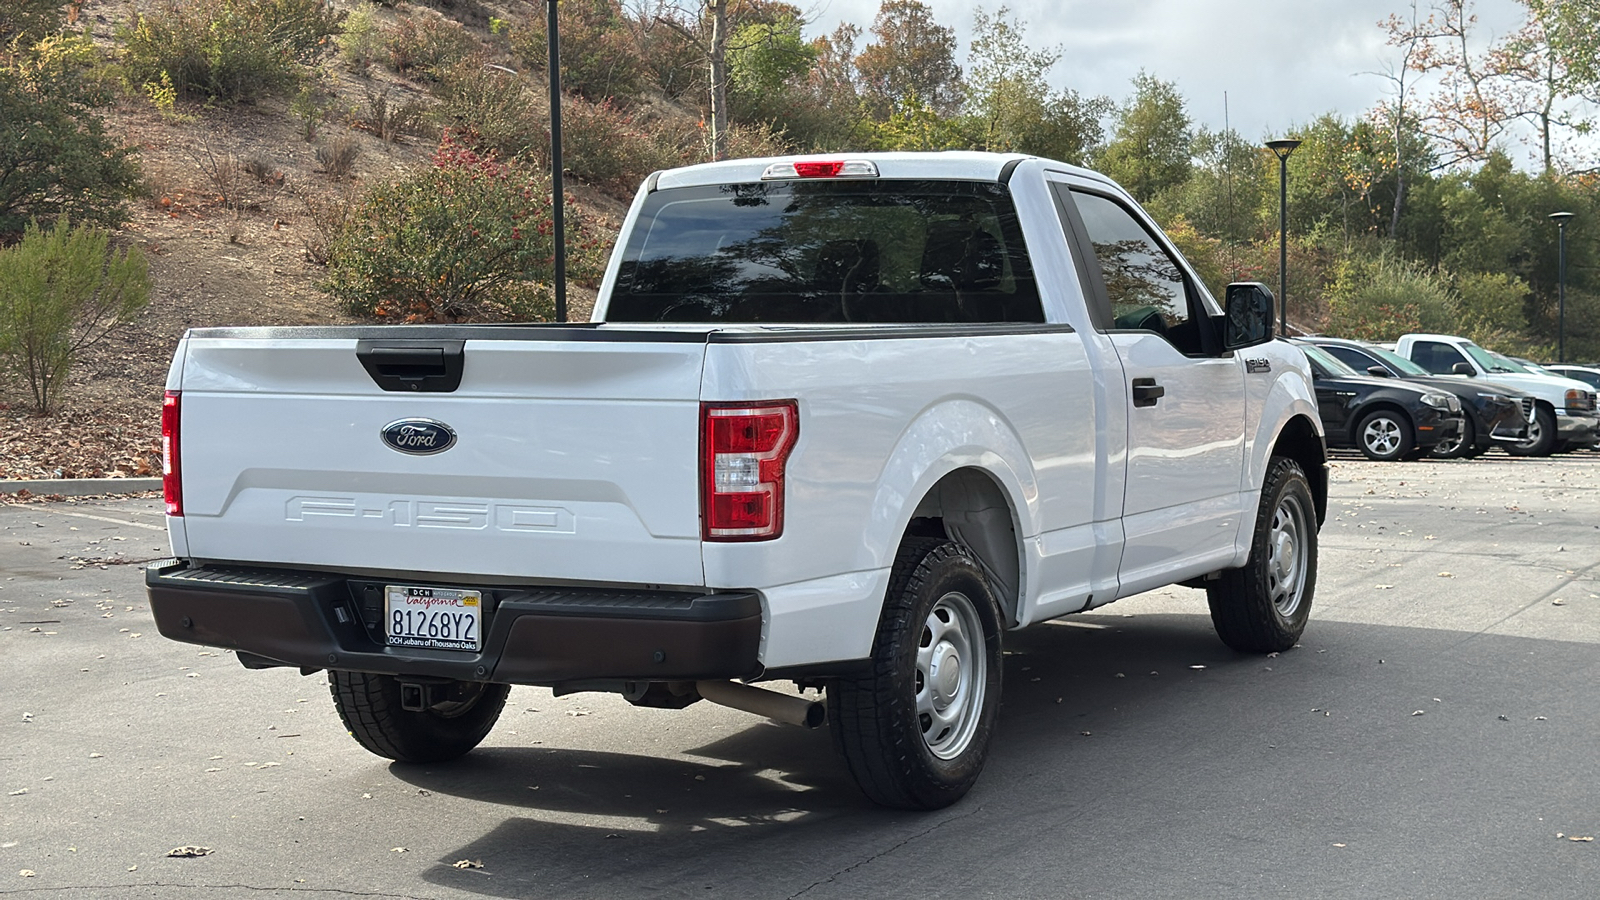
419, 437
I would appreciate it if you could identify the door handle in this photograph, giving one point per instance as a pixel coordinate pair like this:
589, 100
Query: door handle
1146, 392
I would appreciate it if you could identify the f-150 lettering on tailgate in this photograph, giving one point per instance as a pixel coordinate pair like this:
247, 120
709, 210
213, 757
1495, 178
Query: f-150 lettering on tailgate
433, 514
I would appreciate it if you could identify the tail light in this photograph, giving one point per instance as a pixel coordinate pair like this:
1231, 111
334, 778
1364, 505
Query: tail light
744, 448
171, 477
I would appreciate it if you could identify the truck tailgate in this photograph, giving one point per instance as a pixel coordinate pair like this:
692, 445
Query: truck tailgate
574, 457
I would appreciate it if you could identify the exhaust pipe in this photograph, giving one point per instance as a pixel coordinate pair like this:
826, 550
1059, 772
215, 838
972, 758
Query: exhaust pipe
785, 708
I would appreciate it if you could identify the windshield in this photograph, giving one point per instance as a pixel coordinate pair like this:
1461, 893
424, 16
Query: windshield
1491, 362
1327, 360
1396, 360
834, 251
1503, 363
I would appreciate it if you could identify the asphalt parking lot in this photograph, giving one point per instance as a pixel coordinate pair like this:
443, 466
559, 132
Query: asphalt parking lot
1433, 736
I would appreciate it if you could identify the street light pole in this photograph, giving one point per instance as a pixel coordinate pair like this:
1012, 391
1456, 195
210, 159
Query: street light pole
557, 193
1282, 148
1560, 218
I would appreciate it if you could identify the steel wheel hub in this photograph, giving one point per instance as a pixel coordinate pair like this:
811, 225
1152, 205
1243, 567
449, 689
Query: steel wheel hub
951, 661
1286, 565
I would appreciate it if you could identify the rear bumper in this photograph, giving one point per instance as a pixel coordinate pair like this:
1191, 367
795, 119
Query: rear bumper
532, 634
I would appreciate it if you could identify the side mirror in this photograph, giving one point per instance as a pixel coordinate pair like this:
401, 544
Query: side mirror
1248, 320
1462, 368
1379, 372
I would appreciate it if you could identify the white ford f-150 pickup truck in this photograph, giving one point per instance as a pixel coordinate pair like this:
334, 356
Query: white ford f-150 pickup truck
841, 421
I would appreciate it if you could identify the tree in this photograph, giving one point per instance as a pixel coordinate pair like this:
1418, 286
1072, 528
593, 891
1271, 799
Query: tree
1467, 112
1228, 189
1540, 83
1010, 106
708, 29
911, 62
1150, 145
55, 156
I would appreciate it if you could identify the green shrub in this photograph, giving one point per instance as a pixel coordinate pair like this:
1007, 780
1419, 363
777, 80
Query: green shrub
55, 156
361, 42
491, 110
470, 238
228, 49
425, 44
604, 146
62, 290
600, 57
1378, 299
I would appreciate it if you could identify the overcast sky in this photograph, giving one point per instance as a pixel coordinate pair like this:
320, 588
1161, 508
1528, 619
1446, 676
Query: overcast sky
1280, 63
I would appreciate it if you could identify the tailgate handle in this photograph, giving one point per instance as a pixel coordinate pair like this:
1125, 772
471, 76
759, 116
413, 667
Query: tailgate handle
426, 366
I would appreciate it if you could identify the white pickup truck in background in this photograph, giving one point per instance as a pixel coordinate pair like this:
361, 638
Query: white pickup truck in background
1565, 414
840, 421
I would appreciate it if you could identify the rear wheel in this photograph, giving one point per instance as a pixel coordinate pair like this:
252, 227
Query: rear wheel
1263, 606
1541, 435
1384, 436
1459, 446
458, 720
915, 732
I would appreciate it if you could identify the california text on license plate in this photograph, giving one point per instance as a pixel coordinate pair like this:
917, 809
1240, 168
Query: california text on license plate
439, 618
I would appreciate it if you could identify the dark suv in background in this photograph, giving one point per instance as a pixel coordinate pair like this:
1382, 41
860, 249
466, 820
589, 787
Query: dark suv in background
1385, 418
1492, 413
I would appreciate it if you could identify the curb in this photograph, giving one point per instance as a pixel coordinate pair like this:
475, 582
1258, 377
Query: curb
80, 487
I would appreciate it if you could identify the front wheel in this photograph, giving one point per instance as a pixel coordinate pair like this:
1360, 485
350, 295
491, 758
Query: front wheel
1384, 436
459, 719
1541, 435
915, 732
1263, 606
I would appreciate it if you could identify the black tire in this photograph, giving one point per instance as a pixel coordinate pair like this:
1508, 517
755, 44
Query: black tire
1476, 451
1384, 435
1541, 434
1560, 446
902, 747
1460, 446
1263, 606
369, 706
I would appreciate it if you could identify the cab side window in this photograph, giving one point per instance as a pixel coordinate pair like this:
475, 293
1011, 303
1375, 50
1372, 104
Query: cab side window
1353, 358
1146, 286
1436, 357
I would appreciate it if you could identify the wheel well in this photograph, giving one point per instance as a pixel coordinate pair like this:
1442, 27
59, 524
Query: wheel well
1300, 442
969, 507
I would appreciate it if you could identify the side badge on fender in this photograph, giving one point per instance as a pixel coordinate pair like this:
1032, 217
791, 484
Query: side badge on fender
419, 437
1253, 366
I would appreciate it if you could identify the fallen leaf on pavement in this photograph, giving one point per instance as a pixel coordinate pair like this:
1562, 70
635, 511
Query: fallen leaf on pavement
468, 864
188, 852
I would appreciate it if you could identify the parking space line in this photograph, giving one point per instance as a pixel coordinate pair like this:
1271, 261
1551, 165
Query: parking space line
62, 512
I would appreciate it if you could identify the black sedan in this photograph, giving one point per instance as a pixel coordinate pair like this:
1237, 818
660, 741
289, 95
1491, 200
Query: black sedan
1492, 412
1386, 419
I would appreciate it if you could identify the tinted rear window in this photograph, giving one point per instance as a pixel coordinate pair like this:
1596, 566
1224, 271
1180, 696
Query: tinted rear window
827, 251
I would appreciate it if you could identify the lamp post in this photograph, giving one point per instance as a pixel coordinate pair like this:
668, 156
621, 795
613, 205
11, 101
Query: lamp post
1560, 218
1282, 148
557, 194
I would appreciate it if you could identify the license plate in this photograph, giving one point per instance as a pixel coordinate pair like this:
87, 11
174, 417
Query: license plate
437, 618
